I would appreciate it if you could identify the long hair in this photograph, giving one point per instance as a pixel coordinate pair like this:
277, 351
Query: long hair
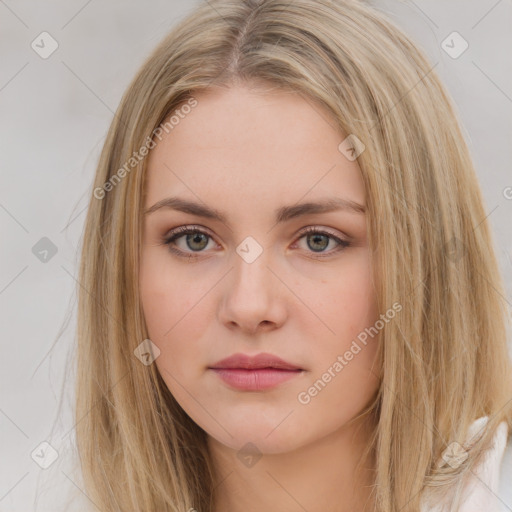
443, 361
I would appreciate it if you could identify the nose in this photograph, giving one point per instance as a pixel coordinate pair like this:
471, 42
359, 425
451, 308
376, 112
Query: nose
253, 298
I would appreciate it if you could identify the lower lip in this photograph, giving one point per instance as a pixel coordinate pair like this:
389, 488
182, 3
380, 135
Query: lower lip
255, 380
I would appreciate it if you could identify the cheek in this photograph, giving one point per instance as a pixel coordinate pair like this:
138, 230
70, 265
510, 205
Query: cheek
170, 296
344, 301
174, 313
344, 377
347, 306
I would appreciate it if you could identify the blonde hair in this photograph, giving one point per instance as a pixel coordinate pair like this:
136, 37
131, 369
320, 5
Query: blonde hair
443, 360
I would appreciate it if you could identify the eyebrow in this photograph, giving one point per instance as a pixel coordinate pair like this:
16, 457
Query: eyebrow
283, 214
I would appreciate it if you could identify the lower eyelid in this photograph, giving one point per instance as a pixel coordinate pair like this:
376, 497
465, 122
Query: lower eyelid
171, 239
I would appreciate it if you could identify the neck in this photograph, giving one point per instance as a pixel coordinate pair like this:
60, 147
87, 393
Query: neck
327, 474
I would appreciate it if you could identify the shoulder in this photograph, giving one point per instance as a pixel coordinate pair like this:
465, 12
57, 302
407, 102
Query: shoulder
505, 481
489, 486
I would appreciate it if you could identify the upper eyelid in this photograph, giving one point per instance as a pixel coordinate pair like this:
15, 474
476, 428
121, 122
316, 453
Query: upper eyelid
182, 230
176, 233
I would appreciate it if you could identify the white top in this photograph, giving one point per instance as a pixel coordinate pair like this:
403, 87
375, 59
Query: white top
487, 488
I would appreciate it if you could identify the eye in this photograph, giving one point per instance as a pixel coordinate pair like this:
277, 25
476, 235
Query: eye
318, 240
196, 240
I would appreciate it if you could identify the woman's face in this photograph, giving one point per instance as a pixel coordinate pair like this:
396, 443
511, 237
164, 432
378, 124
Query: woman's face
253, 281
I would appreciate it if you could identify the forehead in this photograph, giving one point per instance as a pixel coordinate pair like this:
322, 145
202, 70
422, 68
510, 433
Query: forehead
273, 146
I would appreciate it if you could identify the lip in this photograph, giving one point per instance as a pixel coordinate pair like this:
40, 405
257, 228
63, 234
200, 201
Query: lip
255, 373
256, 362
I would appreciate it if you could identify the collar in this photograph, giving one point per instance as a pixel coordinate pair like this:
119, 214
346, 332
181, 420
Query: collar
482, 489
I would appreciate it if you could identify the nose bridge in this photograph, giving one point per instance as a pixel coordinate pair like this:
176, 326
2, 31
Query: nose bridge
252, 295
250, 264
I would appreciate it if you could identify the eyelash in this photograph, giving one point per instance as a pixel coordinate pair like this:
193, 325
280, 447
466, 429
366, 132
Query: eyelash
177, 233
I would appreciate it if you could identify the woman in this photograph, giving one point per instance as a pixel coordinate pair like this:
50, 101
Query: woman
289, 298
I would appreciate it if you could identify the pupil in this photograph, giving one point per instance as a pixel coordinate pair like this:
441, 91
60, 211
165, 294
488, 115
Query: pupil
316, 237
193, 237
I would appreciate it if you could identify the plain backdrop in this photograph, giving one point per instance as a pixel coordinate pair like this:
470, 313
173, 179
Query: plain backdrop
54, 114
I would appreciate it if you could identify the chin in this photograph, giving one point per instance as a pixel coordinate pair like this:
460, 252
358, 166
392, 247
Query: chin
269, 437
257, 442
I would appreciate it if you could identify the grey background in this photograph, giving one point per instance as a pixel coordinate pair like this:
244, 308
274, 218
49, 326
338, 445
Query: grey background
54, 114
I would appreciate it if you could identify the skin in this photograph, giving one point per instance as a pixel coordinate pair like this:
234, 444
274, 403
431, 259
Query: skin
247, 153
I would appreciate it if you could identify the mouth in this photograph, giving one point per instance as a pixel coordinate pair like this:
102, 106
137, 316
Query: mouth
255, 380
255, 373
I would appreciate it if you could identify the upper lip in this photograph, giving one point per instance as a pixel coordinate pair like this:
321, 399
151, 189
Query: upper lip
258, 361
